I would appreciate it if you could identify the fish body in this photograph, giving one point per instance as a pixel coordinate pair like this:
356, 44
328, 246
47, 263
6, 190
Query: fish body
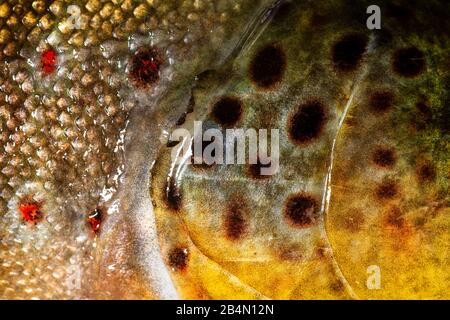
92, 205
359, 205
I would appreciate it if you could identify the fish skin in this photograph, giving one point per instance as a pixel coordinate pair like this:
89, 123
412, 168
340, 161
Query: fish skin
329, 259
64, 133
404, 234
61, 259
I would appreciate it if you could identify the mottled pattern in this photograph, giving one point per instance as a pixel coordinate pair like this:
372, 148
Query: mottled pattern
89, 94
360, 184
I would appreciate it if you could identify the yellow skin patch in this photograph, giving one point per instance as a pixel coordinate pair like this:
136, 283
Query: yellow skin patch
89, 91
382, 180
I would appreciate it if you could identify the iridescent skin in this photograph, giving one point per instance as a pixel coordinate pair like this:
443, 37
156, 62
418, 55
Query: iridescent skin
388, 209
63, 130
87, 137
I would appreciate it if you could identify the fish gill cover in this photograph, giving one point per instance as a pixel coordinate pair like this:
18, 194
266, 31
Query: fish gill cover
93, 205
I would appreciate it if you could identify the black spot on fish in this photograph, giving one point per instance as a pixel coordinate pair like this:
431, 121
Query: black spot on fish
386, 190
381, 101
173, 195
384, 157
408, 62
144, 68
178, 258
235, 222
348, 51
227, 111
301, 210
268, 66
426, 172
307, 123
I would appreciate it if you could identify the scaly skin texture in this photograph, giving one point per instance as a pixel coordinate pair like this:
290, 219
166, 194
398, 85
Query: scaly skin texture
67, 94
364, 163
87, 102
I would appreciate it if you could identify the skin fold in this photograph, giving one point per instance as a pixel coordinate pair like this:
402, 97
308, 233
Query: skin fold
92, 205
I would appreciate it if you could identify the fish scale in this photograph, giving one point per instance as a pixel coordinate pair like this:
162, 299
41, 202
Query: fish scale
63, 127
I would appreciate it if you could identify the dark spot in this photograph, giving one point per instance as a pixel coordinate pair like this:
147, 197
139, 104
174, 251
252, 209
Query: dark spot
255, 170
426, 172
424, 110
398, 227
353, 220
408, 62
178, 259
235, 224
387, 190
301, 210
30, 210
95, 220
283, 11
227, 111
267, 67
307, 123
348, 51
48, 61
173, 195
145, 66
381, 101
337, 286
394, 218
384, 157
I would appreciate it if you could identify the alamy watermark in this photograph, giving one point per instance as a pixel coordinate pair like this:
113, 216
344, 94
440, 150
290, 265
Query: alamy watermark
229, 148
373, 277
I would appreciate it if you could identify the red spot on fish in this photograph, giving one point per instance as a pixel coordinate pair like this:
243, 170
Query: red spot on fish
95, 220
30, 211
145, 65
48, 61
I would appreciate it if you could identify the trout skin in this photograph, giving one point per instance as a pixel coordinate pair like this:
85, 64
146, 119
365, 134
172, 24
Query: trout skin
91, 90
